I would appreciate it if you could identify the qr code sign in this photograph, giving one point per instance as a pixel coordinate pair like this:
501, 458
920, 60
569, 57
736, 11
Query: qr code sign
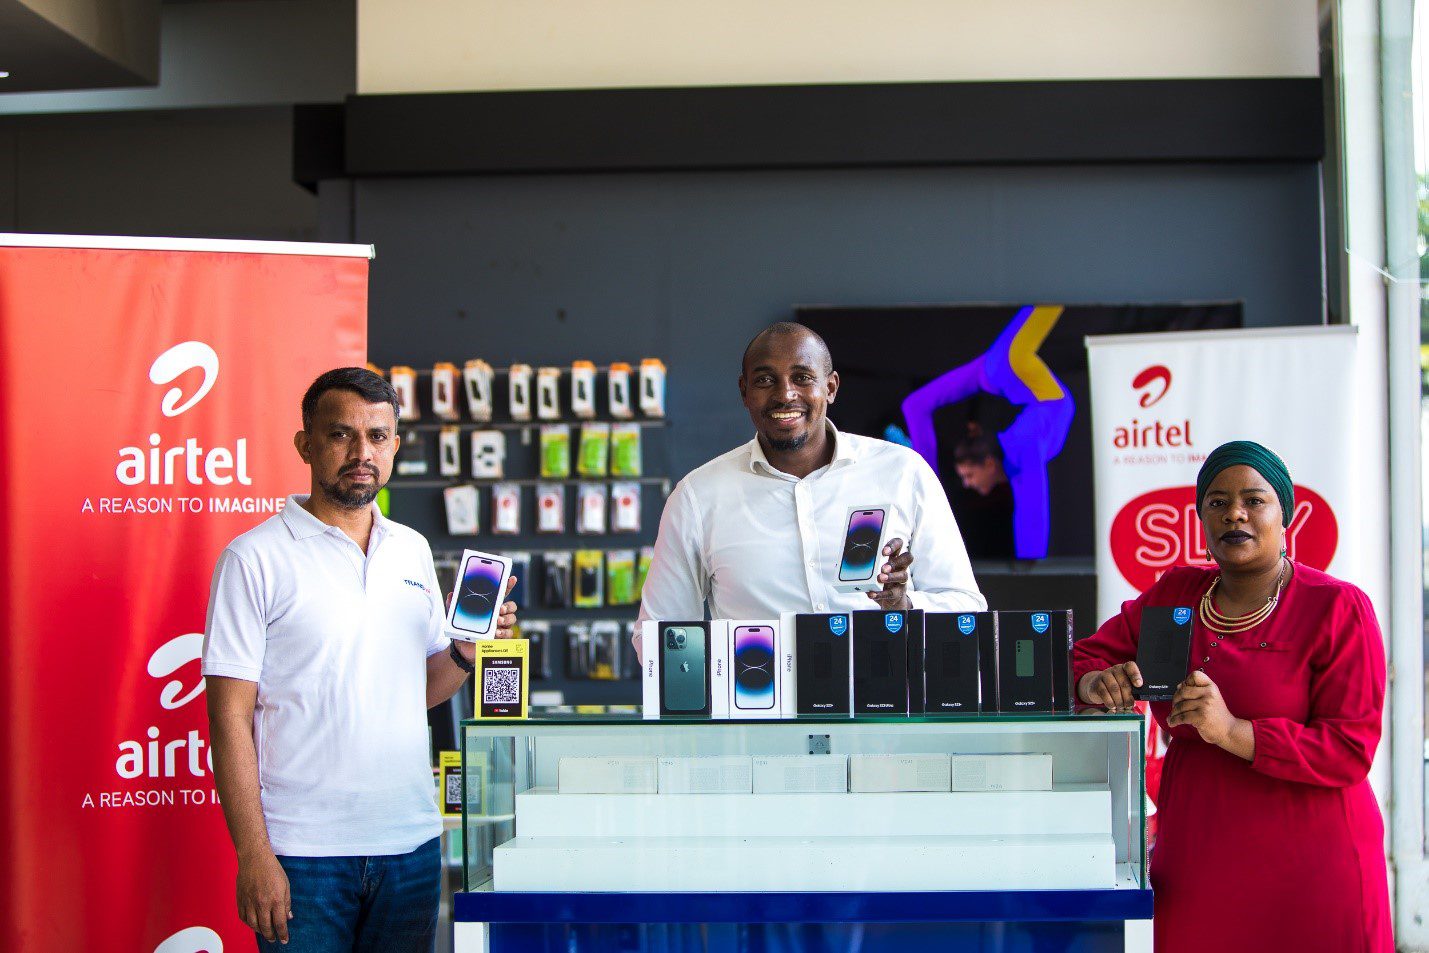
501, 686
454, 788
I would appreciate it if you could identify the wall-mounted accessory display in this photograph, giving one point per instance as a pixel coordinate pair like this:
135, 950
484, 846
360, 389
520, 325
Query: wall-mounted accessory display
478, 377
592, 500
506, 509
449, 452
551, 508
404, 382
622, 406
583, 389
444, 405
519, 391
548, 393
652, 387
625, 507
462, 507
555, 451
488, 454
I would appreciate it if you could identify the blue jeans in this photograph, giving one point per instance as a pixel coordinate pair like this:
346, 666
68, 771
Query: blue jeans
382, 904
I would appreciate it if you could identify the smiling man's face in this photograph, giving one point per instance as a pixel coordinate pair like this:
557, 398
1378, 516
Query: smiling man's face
786, 385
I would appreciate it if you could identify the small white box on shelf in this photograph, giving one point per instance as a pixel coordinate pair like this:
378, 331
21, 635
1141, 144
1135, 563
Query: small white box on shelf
714, 774
801, 774
632, 775
1002, 772
883, 773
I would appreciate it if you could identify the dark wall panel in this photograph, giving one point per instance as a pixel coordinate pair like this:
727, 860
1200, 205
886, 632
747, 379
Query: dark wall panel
687, 266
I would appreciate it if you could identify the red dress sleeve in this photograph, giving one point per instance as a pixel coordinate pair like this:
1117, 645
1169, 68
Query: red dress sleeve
1335, 745
1112, 644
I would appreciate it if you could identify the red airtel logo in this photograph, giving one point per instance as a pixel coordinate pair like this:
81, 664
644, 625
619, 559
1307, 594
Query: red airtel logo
1156, 373
1160, 530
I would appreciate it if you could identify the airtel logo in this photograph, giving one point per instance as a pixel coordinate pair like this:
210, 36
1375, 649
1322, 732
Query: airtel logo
168, 659
1156, 373
192, 940
177, 360
1160, 530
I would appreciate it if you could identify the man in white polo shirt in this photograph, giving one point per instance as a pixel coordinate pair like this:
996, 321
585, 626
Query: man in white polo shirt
322, 652
760, 529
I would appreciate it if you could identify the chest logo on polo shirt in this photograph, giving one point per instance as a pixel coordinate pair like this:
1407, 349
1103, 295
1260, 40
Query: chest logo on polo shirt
413, 582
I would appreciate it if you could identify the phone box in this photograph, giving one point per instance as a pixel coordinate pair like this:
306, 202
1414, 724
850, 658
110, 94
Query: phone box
865, 529
714, 774
519, 391
463, 510
887, 773
755, 659
987, 637
1063, 692
480, 591
880, 659
823, 662
502, 679
801, 774
404, 382
583, 388
444, 391
685, 669
630, 775
1002, 772
1163, 651
952, 676
652, 387
477, 376
449, 452
1026, 648
618, 385
548, 393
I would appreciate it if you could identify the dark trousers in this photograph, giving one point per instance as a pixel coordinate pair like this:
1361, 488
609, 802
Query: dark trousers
384, 904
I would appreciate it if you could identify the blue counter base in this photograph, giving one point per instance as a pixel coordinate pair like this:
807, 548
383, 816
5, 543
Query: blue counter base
1044, 921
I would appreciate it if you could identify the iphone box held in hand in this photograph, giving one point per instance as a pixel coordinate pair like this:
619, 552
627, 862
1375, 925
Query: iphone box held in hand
862, 555
685, 669
823, 662
480, 591
756, 661
1163, 651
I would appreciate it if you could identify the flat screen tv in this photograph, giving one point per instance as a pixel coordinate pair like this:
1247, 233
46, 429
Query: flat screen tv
996, 399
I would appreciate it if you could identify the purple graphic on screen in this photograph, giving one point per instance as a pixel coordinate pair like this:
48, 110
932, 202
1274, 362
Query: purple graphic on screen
865, 529
476, 596
753, 667
1010, 369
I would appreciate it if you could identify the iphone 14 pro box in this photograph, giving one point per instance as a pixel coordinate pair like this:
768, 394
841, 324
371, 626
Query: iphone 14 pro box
865, 532
952, 680
756, 664
823, 662
1163, 651
1025, 650
880, 659
684, 670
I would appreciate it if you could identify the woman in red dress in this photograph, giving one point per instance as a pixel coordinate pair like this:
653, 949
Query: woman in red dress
1269, 835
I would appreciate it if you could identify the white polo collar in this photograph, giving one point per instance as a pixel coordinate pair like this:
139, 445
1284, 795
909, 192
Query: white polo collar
844, 453
304, 525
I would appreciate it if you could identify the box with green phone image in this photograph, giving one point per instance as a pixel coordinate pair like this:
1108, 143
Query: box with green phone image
684, 669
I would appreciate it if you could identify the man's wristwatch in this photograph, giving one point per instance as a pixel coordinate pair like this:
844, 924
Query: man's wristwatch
460, 659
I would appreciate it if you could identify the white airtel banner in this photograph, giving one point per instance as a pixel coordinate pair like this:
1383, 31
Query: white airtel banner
1162, 402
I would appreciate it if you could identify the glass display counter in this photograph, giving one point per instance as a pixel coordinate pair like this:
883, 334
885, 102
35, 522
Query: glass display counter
578, 831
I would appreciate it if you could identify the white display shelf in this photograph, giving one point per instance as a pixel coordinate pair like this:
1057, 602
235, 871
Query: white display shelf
1066, 809
793, 863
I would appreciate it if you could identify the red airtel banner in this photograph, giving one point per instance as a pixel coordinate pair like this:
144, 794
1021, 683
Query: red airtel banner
151, 392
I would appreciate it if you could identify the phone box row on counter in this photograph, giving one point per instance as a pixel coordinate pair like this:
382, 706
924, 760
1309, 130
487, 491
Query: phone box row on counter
721, 668
859, 664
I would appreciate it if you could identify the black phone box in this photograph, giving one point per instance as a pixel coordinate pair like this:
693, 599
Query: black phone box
1163, 651
880, 660
951, 669
987, 665
1063, 694
1024, 661
823, 660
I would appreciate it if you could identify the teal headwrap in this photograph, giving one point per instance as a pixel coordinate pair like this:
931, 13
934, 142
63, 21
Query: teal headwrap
1259, 459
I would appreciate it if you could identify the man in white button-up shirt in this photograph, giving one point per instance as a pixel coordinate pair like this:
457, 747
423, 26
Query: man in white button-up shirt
760, 530
323, 649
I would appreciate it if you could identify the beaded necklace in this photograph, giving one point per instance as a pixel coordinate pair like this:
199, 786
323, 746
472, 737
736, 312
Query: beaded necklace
1231, 624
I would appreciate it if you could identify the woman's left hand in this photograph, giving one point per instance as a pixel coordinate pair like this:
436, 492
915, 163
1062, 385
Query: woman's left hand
1198, 703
